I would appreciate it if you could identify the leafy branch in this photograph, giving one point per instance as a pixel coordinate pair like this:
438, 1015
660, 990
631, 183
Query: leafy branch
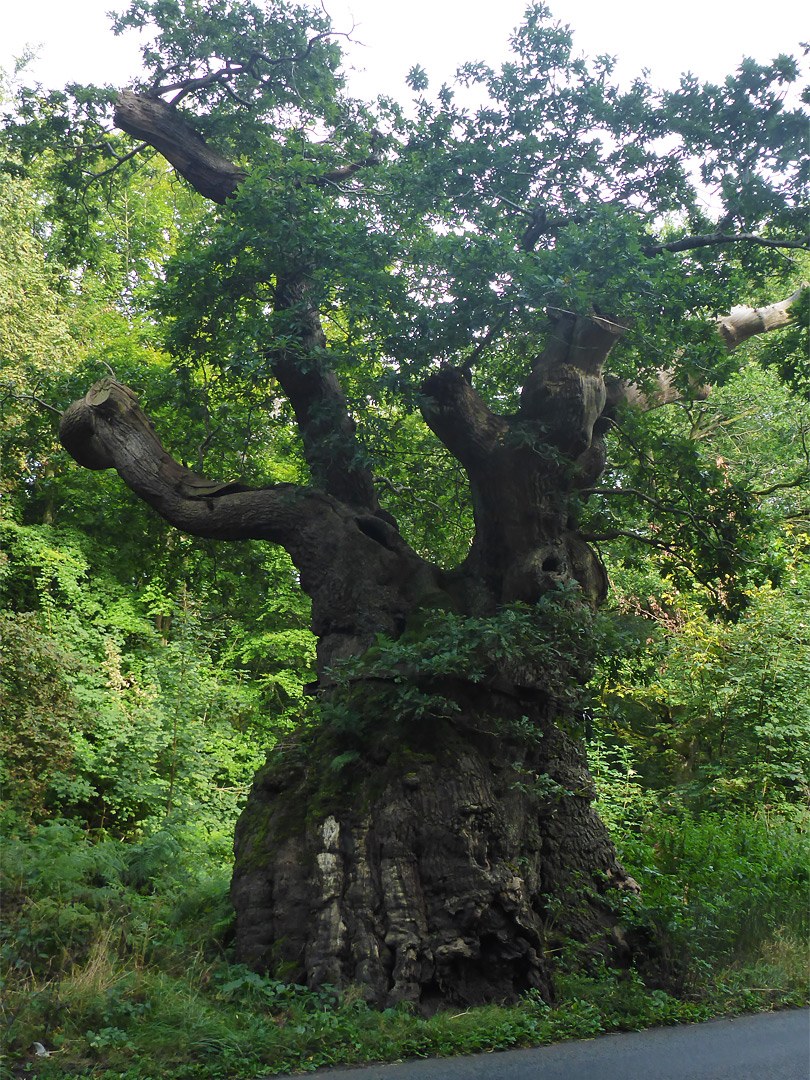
232, 69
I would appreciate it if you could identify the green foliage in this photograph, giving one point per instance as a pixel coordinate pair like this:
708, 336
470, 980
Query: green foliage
39, 712
396, 687
555, 635
141, 709
267, 45
124, 699
717, 886
790, 355
33, 332
718, 712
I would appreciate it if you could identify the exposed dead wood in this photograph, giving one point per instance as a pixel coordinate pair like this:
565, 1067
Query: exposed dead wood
744, 322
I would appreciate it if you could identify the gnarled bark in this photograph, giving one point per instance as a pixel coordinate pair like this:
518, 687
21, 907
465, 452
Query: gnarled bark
161, 125
523, 469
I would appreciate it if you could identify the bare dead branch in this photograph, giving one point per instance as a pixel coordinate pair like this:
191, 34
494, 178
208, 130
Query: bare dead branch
14, 396
744, 322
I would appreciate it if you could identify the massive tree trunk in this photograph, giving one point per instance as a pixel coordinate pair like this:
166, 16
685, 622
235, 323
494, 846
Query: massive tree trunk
449, 863
432, 839
456, 849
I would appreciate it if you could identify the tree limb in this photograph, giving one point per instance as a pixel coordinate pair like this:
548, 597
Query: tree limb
744, 322
690, 243
159, 124
14, 396
565, 393
460, 418
666, 508
741, 323
107, 429
351, 564
303, 372
798, 481
321, 411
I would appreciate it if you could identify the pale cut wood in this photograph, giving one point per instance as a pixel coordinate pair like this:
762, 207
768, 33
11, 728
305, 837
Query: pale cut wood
744, 322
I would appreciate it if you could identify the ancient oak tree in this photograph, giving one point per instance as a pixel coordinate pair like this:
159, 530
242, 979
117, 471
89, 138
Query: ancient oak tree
513, 260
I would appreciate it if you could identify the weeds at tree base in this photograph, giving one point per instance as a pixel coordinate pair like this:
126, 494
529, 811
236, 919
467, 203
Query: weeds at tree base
117, 961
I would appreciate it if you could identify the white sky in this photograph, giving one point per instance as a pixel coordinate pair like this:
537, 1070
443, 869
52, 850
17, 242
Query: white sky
708, 37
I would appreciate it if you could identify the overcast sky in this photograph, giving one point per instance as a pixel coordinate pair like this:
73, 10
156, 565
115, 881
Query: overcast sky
708, 37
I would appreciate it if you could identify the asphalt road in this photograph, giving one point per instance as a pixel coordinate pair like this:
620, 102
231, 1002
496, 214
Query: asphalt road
767, 1046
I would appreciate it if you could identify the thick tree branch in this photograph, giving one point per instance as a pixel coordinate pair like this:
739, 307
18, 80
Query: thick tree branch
519, 467
327, 430
361, 575
159, 124
321, 412
664, 393
458, 416
744, 322
565, 392
107, 429
690, 243
741, 323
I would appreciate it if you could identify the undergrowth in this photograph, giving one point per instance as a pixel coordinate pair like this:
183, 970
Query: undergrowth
115, 958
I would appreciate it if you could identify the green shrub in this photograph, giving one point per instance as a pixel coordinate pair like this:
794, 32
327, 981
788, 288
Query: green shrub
718, 886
